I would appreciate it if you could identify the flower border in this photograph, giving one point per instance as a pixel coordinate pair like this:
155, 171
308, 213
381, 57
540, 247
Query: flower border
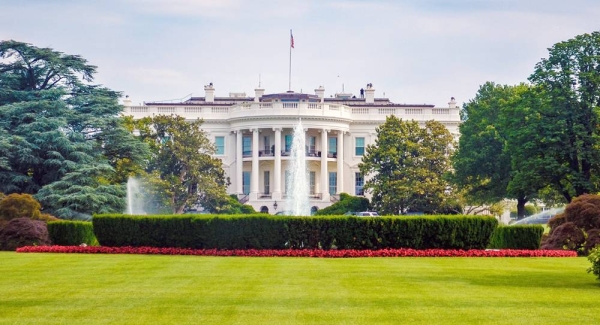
400, 252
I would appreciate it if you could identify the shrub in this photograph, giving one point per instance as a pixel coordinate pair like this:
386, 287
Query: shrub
517, 237
594, 258
578, 227
70, 233
345, 204
19, 206
233, 206
20, 232
275, 232
529, 211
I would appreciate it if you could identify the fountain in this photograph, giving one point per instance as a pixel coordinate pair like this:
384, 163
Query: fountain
297, 184
135, 201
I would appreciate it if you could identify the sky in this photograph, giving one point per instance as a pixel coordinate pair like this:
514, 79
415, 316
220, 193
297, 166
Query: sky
413, 52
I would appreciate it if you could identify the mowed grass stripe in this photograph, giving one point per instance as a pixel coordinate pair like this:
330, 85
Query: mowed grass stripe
140, 289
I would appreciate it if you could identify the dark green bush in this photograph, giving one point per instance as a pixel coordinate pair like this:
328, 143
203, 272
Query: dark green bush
517, 237
347, 203
262, 231
71, 233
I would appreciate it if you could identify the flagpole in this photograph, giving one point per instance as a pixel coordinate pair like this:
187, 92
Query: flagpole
290, 72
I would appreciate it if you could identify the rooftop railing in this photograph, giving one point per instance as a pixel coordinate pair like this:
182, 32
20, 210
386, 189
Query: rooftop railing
256, 109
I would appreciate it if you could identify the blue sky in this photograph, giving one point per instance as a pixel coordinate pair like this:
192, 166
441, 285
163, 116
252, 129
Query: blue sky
411, 51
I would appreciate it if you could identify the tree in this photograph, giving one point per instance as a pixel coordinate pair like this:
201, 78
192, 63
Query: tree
54, 122
184, 169
569, 82
498, 155
405, 167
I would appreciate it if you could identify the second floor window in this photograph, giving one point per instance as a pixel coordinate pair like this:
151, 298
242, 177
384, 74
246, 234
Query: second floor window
247, 146
332, 146
220, 144
288, 142
359, 149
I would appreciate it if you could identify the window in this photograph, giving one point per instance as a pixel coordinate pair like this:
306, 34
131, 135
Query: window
247, 146
332, 183
312, 176
268, 149
312, 147
246, 183
288, 142
359, 149
220, 144
332, 147
359, 182
267, 181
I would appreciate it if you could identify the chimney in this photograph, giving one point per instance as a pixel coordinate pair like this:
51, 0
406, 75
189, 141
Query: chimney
127, 101
320, 92
209, 93
258, 92
452, 103
370, 94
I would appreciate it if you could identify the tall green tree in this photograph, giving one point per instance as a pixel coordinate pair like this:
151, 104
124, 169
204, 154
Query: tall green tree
496, 156
54, 122
569, 82
405, 167
182, 167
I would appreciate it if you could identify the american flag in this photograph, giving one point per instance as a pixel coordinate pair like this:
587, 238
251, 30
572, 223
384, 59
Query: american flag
291, 39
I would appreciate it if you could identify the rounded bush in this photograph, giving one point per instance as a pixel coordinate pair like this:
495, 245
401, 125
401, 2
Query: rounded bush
577, 228
19, 206
20, 232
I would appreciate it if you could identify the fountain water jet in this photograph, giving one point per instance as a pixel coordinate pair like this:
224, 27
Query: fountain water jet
297, 184
135, 201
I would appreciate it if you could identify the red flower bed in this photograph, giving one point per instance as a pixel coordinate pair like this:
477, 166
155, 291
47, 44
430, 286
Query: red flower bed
402, 252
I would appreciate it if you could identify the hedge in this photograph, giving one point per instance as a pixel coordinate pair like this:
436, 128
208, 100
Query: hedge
262, 231
517, 237
69, 233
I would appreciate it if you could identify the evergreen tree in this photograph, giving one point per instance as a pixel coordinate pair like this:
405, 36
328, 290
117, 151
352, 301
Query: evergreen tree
54, 123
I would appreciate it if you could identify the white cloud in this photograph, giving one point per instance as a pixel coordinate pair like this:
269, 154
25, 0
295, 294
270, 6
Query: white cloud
207, 8
414, 51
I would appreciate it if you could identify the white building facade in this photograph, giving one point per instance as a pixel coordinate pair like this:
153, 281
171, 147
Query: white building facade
253, 136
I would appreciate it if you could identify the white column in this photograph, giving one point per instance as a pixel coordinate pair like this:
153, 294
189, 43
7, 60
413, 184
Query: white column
254, 176
239, 163
324, 174
340, 162
277, 167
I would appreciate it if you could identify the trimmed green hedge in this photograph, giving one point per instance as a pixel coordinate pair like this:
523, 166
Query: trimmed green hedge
70, 233
517, 237
262, 231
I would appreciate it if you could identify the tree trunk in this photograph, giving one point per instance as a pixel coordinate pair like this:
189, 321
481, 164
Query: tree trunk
521, 207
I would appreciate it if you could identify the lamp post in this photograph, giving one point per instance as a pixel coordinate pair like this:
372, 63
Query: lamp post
275, 205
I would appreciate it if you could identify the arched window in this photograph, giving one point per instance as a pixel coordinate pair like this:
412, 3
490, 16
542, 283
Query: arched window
264, 209
314, 210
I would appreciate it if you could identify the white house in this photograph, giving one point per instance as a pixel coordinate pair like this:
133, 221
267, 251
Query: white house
253, 137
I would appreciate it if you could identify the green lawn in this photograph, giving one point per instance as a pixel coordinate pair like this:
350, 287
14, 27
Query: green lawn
138, 289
